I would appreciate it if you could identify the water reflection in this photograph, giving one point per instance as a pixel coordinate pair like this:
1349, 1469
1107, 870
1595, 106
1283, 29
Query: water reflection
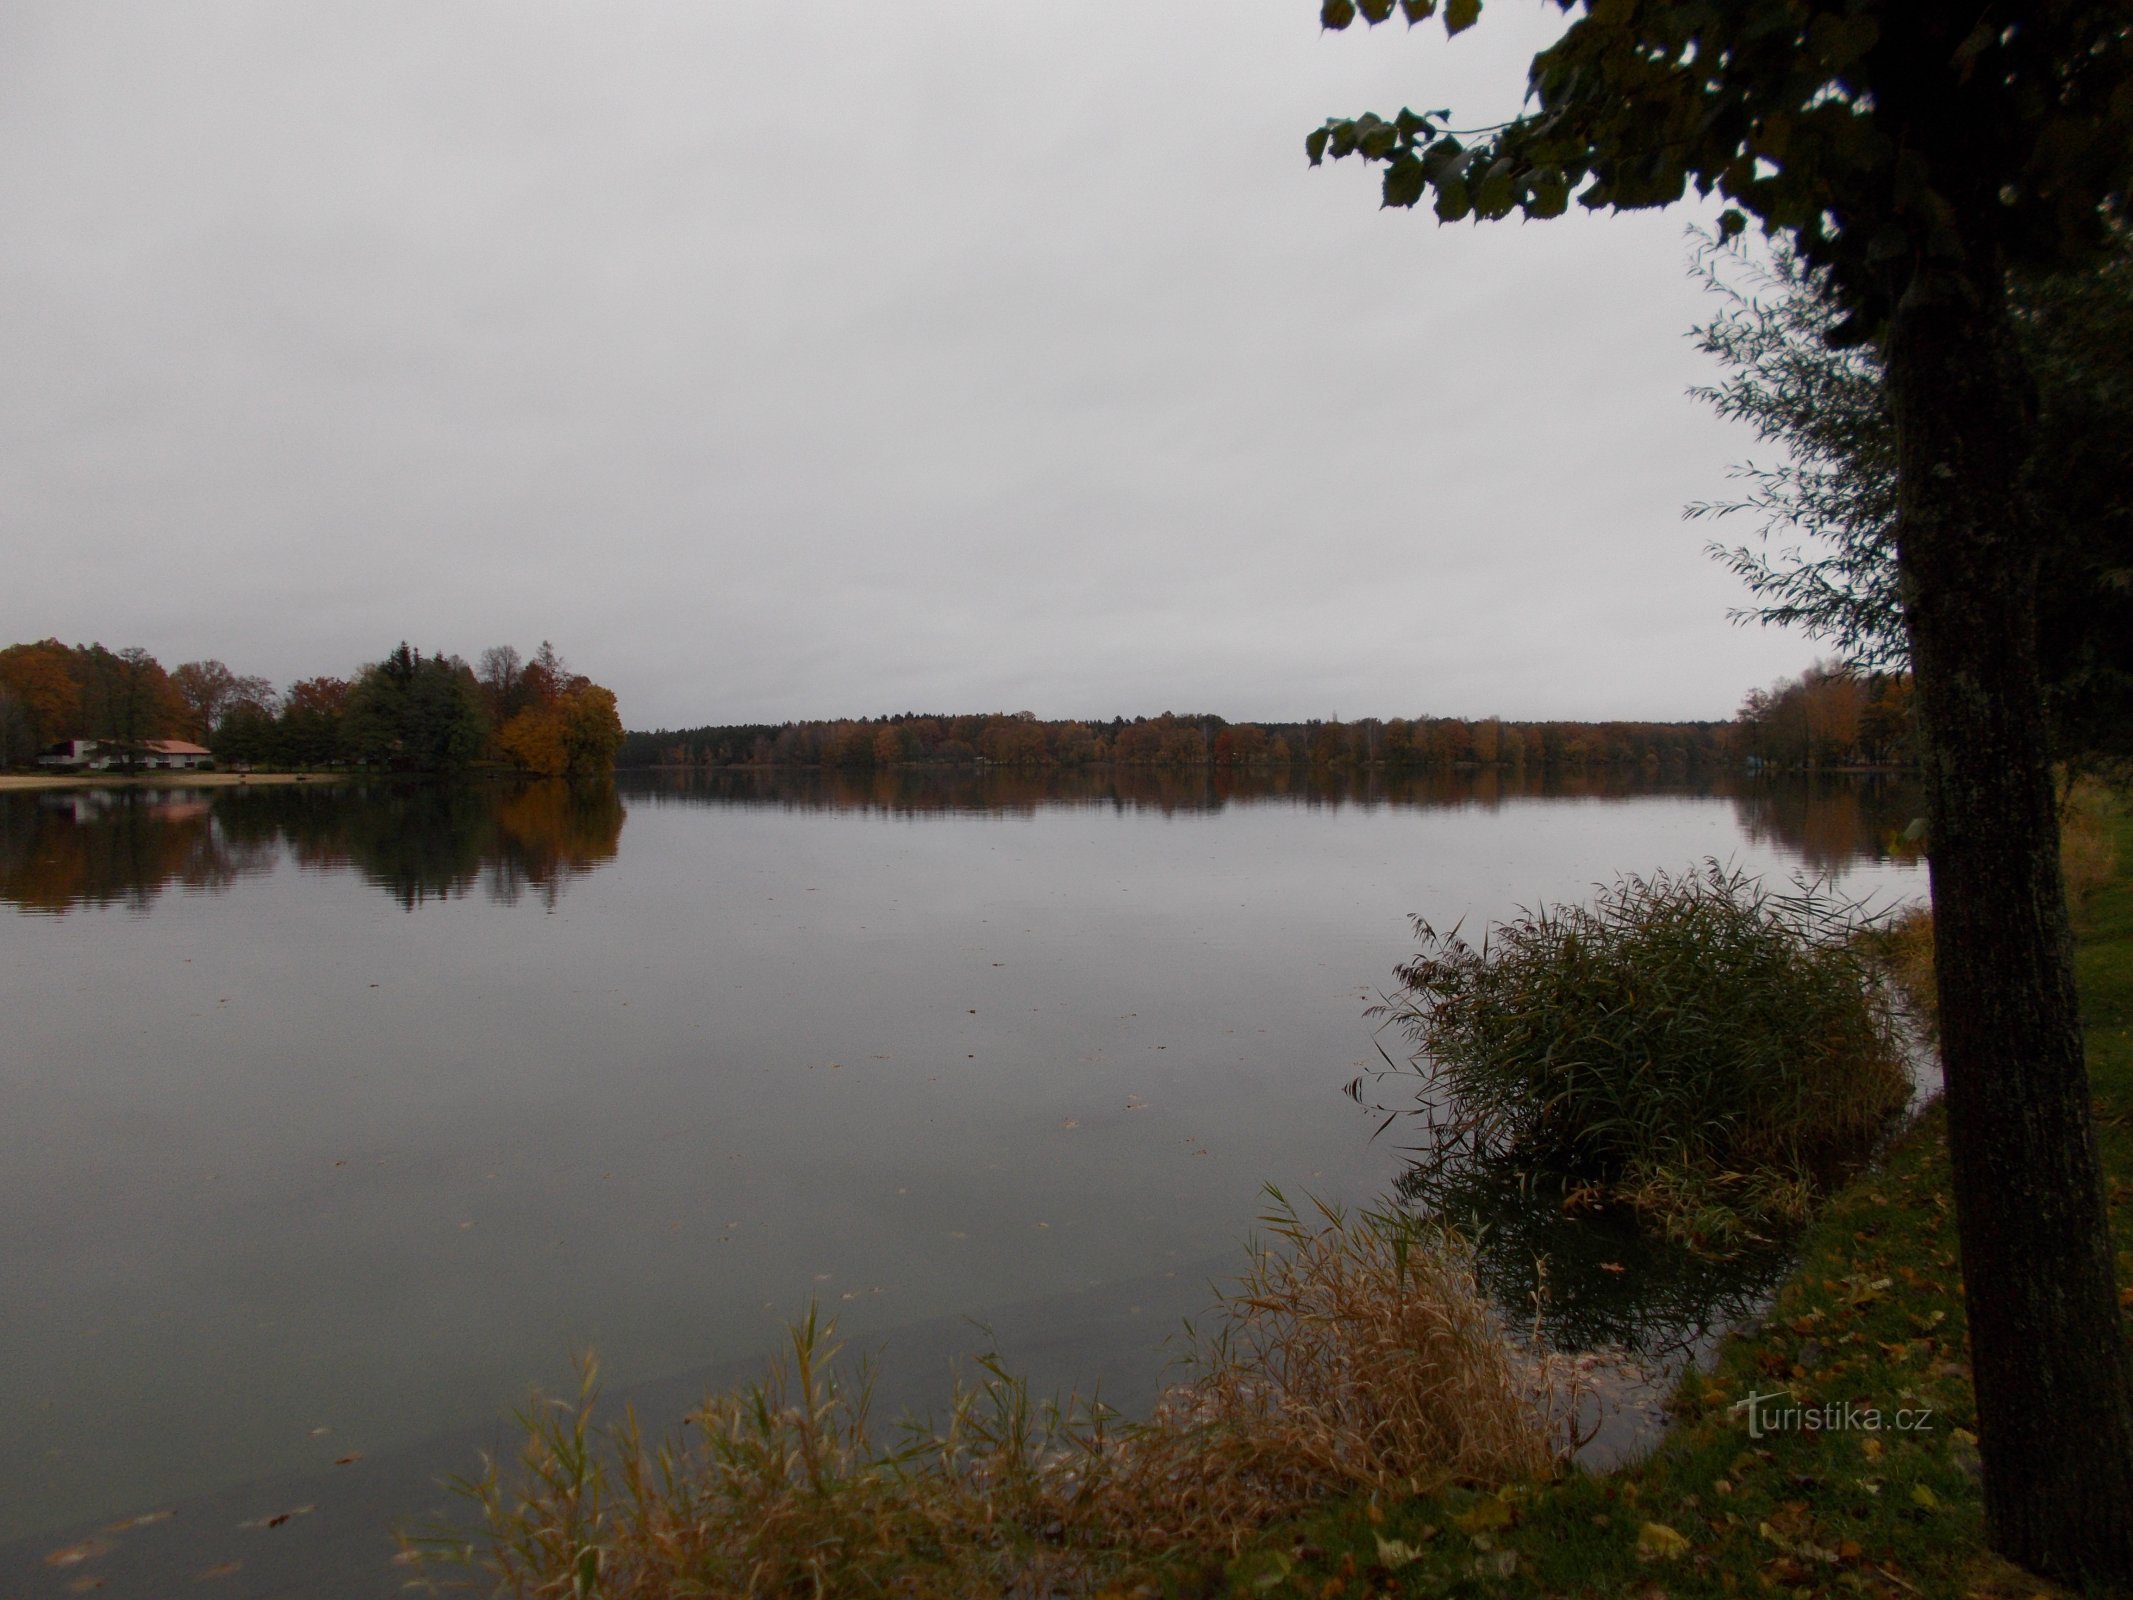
1598, 1281
1830, 822
61, 849
102, 847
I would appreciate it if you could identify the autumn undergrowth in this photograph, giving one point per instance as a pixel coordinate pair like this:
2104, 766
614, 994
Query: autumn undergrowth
1709, 1052
1881, 1499
1355, 1355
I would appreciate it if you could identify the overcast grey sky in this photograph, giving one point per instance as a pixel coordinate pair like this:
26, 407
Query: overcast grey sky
834, 359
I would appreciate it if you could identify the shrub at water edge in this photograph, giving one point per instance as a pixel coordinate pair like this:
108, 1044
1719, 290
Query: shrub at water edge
1708, 1051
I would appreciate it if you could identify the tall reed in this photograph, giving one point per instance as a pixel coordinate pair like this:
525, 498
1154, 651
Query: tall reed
1353, 1354
1708, 1050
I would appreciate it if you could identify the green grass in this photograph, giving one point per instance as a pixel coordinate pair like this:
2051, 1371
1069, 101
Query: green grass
1873, 1318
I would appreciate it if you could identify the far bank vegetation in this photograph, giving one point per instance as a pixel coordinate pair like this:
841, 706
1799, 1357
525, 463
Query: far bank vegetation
408, 712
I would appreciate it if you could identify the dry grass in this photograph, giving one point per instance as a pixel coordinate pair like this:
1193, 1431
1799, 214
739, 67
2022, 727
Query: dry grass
1356, 1354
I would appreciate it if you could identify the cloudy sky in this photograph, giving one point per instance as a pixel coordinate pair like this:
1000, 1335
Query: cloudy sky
834, 359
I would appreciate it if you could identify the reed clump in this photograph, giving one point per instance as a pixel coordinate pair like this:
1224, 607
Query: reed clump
1354, 1355
1707, 1051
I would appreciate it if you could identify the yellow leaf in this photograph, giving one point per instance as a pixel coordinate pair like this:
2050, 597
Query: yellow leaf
1924, 1498
1393, 1554
1487, 1513
1657, 1542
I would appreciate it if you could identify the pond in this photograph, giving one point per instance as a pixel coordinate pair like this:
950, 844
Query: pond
338, 1118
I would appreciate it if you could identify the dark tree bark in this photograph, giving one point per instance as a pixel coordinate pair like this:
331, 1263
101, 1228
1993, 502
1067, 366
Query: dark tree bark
2054, 1384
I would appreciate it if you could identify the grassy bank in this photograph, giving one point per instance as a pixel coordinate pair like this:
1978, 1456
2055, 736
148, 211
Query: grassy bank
1876, 1495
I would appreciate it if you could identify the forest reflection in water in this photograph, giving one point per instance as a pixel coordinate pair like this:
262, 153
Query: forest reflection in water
417, 842
424, 842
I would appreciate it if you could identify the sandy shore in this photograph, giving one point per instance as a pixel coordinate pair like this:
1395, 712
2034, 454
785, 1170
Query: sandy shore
158, 780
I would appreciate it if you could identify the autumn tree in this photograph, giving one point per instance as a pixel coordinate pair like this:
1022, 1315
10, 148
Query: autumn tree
45, 700
126, 697
564, 724
1911, 154
208, 691
309, 733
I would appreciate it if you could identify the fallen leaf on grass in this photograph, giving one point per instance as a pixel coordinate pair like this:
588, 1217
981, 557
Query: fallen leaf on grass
1923, 1498
1657, 1542
1393, 1554
349, 1459
1487, 1514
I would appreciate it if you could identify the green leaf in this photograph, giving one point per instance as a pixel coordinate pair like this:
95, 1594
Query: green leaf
1460, 15
1550, 195
1495, 195
1443, 157
1375, 11
1416, 10
1315, 144
1731, 222
1452, 203
1336, 14
1404, 181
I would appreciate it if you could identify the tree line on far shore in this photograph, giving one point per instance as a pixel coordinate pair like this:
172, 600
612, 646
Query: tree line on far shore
1867, 724
407, 712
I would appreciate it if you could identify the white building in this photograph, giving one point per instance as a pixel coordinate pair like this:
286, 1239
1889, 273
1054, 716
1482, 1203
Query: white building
95, 755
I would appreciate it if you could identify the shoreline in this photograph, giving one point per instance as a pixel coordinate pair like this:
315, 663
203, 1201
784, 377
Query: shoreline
171, 779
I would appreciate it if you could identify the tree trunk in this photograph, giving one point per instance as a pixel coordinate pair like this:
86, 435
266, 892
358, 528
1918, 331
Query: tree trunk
2054, 1385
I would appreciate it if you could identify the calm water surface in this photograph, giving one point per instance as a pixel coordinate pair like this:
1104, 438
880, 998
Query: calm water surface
335, 1119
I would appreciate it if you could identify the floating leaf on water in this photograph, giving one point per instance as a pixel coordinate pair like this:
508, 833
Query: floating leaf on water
142, 1521
74, 1555
279, 1517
